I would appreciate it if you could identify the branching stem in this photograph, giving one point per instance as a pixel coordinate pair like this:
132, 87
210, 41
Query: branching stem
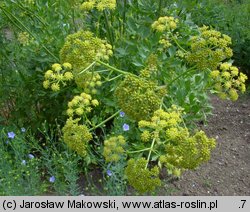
150, 151
106, 120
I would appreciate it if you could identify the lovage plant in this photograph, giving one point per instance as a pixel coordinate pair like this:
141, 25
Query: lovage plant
132, 80
142, 104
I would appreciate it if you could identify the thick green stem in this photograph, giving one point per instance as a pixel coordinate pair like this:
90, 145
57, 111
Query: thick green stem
177, 43
106, 120
178, 77
87, 68
112, 68
181, 75
102, 71
150, 151
114, 78
141, 150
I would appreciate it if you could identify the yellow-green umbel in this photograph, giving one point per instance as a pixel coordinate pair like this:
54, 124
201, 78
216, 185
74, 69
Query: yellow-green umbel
137, 97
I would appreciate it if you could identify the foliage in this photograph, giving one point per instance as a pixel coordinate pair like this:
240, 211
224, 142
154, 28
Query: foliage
20, 170
29, 41
33, 168
123, 97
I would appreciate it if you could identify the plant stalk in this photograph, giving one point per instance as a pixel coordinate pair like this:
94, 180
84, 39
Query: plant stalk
141, 150
178, 77
106, 120
112, 68
178, 43
87, 68
150, 151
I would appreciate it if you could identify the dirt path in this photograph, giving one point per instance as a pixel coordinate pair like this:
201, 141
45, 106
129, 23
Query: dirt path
228, 171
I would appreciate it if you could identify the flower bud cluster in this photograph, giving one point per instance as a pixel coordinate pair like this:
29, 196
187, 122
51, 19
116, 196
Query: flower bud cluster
29, 2
82, 48
137, 97
209, 48
89, 82
159, 122
57, 76
187, 153
141, 178
182, 151
76, 136
114, 148
100, 5
151, 67
81, 104
228, 80
24, 38
180, 54
165, 42
164, 24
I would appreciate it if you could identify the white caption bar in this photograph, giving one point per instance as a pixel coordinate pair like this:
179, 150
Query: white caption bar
130, 203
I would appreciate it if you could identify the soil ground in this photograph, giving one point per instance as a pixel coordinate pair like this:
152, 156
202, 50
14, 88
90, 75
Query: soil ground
228, 171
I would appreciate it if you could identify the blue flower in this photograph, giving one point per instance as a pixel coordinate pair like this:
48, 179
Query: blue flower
11, 135
23, 129
23, 162
31, 156
52, 179
109, 173
122, 114
125, 127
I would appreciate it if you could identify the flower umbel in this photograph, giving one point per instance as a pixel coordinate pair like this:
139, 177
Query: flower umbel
81, 104
58, 76
209, 48
137, 97
82, 49
228, 80
76, 136
24, 38
165, 24
114, 148
182, 151
100, 5
142, 179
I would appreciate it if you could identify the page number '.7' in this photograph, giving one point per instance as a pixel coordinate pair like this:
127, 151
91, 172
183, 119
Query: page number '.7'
242, 203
